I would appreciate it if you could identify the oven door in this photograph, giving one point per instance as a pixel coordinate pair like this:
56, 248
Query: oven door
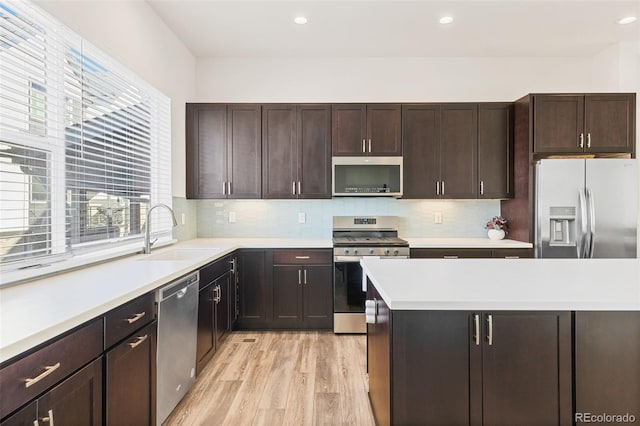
348, 297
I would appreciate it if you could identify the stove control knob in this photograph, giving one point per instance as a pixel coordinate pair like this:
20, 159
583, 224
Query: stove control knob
396, 252
370, 251
387, 251
355, 251
346, 251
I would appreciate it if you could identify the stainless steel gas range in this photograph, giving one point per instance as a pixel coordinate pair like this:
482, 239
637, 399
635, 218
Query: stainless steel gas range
355, 237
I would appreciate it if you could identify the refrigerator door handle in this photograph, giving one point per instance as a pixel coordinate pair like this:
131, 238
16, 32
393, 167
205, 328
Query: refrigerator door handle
581, 246
592, 225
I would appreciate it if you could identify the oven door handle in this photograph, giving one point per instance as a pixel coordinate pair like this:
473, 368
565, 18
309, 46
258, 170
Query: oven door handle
347, 259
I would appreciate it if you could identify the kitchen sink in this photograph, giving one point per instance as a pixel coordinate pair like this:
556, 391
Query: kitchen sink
178, 254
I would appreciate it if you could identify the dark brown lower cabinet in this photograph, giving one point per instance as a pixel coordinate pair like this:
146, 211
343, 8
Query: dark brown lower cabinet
75, 401
255, 295
471, 253
222, 301
469, 368
607, 364
130, 379
302, 296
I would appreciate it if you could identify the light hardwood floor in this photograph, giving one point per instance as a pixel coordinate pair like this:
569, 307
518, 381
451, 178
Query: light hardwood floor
281, 378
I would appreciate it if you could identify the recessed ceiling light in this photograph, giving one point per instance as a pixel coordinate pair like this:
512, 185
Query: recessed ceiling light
300, 20
446, 20
627, 20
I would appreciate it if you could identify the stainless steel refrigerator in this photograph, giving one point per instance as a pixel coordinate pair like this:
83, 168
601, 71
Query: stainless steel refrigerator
586, 208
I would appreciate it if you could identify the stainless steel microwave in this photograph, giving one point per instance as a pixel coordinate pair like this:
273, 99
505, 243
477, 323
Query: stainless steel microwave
367, 176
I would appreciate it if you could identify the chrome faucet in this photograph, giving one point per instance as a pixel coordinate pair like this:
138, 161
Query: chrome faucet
147, 235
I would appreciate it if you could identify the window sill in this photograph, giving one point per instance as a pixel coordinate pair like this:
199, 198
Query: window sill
18, 276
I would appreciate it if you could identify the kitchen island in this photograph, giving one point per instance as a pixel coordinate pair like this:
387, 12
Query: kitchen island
503, 341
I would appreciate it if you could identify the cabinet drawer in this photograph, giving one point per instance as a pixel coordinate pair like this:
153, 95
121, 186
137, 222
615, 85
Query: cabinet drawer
450, 253
124, 320
30, 376
214, 270
519, 253
299, 257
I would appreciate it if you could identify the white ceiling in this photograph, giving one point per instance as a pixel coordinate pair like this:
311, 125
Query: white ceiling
238, 28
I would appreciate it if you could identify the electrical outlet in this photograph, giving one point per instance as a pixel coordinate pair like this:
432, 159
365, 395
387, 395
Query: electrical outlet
232, 217
302, 217
437, 217
183, 218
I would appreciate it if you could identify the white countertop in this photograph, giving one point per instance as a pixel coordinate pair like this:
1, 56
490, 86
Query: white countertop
34, 312
465, 243
507, 284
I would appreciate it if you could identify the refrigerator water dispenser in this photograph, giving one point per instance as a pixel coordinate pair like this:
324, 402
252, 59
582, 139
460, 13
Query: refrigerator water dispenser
562, 226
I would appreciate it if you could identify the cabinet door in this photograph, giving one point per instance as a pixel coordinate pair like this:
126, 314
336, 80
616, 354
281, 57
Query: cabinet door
130, 377
27, 416
77, 400
379, 359
441, 344
287, 294
420, 145
317, 294
206, 150
607, 354
205, 343
495, 142
349, 129
254, 289
458, 151
610, 122
279, 161
384, 127
244, 142
558, 123
314, 151
526, 368
222, 307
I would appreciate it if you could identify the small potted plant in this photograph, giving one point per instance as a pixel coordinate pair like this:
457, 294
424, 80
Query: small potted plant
497, 227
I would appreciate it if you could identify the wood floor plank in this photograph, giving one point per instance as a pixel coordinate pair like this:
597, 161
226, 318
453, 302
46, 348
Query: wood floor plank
281, 378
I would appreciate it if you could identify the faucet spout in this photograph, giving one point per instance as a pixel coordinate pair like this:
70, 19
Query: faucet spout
147, 225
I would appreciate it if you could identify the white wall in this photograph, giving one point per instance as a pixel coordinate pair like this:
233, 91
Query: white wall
132, 33
385, 79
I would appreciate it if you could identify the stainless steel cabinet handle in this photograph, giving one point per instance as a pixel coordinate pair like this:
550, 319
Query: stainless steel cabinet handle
299, 276
135, 318
299, 188
442, 184
476, 334
138, 342
450, 257
229, 188
303, 257
293, 190
369, 145
224, 188
49, 418
35, 423
490, 332
233, 266
481, 187
47, 370
437, 187
588, 140
512, 257
364, 149
581, 144
305, 276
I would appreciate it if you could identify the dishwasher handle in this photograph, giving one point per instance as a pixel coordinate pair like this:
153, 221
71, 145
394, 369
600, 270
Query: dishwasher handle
177, 288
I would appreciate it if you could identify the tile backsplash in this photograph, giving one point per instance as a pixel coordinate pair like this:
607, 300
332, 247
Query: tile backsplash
279, 218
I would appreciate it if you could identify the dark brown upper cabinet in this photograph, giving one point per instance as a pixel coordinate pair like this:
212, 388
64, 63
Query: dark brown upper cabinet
297, 151
440, 150
421, 147
366, 129
495, 150
223, 150
578, 123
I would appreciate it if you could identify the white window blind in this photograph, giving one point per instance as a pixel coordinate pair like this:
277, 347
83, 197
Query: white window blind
84, 144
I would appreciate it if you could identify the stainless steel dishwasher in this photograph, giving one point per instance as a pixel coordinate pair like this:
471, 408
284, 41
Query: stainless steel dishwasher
177, 333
